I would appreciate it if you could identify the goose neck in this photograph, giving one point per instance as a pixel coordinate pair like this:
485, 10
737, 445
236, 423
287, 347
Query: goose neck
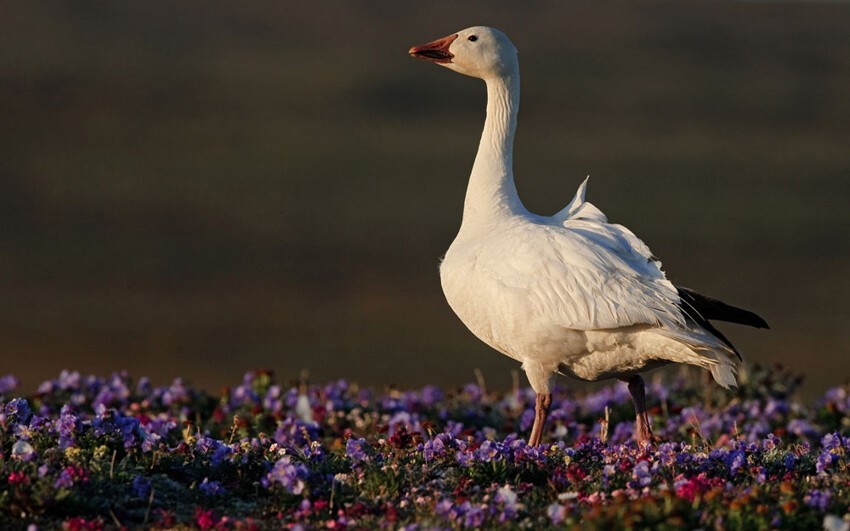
491, 194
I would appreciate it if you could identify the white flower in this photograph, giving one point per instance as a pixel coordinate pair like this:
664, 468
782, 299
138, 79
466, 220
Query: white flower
832, 522
22, 450
506, 496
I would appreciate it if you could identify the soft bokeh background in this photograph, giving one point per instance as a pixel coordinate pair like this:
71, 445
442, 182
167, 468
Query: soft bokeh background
200, 188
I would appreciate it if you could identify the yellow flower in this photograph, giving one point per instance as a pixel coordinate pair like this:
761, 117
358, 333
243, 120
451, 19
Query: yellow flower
100, 452
72, 454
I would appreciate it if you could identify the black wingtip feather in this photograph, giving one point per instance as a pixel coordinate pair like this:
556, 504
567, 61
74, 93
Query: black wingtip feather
715, 310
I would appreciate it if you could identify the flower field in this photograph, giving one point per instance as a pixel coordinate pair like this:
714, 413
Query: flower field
88, 453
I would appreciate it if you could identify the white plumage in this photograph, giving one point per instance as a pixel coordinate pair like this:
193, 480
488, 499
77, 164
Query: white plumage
579, 293
566, 293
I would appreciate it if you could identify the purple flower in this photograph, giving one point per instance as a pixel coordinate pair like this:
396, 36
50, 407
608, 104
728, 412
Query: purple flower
128, 427
595, 403
65, 480
69, 476
527, 420
824, 460
291, 397
356, 450
46, 387
430, 395
790, 462
176, 393
474, 515
508, 499
771, 442
290, 476
296, 433
667, 453
406, 420
802, 428
220, 454
69, 381
736, 460
104, 398
66, 426
434, 448
112, 423
557, 513
144, 386
111, 393
622, 432
642, 474
336, 393
608, 471
659, 391
8, 383
836, 395
243, 395
488, 451
465, 514
443, 507
301, 463
819, 499
272, 401
214, 488
831, 448
141, 487
831, 441
206, 444
776, 407
150, 440
473, 393
463, 457
20, 409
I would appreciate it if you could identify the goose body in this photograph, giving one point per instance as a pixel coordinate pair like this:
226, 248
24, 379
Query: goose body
575, 298
569, 293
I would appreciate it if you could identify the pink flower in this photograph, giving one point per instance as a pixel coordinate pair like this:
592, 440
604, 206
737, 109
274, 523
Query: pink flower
81, 524
688, 489
204, 518
596, 497
17, 478
69, 476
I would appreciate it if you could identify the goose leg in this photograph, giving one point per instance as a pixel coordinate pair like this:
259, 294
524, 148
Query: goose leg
541, 411
643, 431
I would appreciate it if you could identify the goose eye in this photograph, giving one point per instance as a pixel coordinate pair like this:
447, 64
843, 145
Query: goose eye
473, 38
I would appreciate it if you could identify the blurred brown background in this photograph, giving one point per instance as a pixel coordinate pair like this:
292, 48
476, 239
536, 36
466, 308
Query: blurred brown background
200, 188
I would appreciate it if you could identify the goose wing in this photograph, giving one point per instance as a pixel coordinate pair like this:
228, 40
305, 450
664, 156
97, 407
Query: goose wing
587, 274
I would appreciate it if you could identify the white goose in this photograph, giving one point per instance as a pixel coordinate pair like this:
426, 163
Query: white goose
569, 293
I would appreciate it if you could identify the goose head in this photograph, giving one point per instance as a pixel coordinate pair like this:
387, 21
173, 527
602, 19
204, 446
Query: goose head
478, 51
